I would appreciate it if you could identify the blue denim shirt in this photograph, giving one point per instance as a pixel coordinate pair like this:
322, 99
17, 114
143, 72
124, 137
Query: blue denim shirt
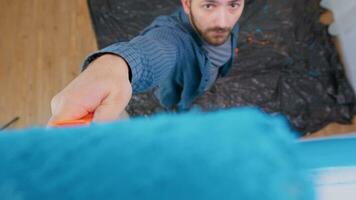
168, 56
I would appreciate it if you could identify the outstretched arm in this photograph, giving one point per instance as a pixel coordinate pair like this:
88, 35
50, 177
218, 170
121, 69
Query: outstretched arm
103, 88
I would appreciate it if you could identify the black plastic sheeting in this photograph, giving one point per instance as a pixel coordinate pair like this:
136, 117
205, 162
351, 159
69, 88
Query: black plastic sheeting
287, 62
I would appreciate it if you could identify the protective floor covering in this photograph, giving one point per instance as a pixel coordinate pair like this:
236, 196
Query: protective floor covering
286, 63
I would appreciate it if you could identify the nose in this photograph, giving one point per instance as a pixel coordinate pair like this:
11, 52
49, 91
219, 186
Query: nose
222, 18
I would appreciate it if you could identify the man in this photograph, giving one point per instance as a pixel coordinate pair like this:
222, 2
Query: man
180, 56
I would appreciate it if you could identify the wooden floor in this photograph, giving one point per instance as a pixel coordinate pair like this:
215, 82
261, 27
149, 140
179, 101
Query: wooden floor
42, 44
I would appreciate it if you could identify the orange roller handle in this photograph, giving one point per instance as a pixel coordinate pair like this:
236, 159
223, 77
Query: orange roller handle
86, 120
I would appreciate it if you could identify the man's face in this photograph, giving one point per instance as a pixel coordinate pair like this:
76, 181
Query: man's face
213, 19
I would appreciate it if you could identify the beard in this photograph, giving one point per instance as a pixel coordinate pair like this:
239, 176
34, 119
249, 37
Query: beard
214, 36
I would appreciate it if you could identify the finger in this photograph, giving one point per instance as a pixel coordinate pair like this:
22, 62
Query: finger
107, 113
66, 111
110, 109
75, 102
74, 105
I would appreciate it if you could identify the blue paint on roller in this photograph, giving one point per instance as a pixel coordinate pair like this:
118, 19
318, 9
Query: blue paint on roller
229, 154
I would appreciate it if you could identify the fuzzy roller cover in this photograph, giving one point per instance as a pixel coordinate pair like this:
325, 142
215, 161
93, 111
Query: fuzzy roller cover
236, 154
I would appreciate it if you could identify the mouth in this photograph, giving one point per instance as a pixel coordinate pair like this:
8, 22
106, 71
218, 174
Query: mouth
219, 34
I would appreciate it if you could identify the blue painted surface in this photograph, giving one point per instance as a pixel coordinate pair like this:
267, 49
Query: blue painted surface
331, 152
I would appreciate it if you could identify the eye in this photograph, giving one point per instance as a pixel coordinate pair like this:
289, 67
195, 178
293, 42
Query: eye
235, 5
208, 6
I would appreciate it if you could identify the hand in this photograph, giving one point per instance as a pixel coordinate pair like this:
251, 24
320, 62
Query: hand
103, 88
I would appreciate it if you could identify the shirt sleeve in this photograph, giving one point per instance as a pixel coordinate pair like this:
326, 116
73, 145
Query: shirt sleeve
151, 56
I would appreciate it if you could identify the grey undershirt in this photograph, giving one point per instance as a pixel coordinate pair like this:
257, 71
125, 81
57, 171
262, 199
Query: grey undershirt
218, 56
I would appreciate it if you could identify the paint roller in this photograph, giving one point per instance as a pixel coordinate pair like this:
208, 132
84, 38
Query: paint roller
229, 154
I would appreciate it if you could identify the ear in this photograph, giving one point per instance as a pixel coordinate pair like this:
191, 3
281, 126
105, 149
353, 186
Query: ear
186, 6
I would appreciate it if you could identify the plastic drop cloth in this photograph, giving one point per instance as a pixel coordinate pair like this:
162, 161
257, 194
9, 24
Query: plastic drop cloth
287, 62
